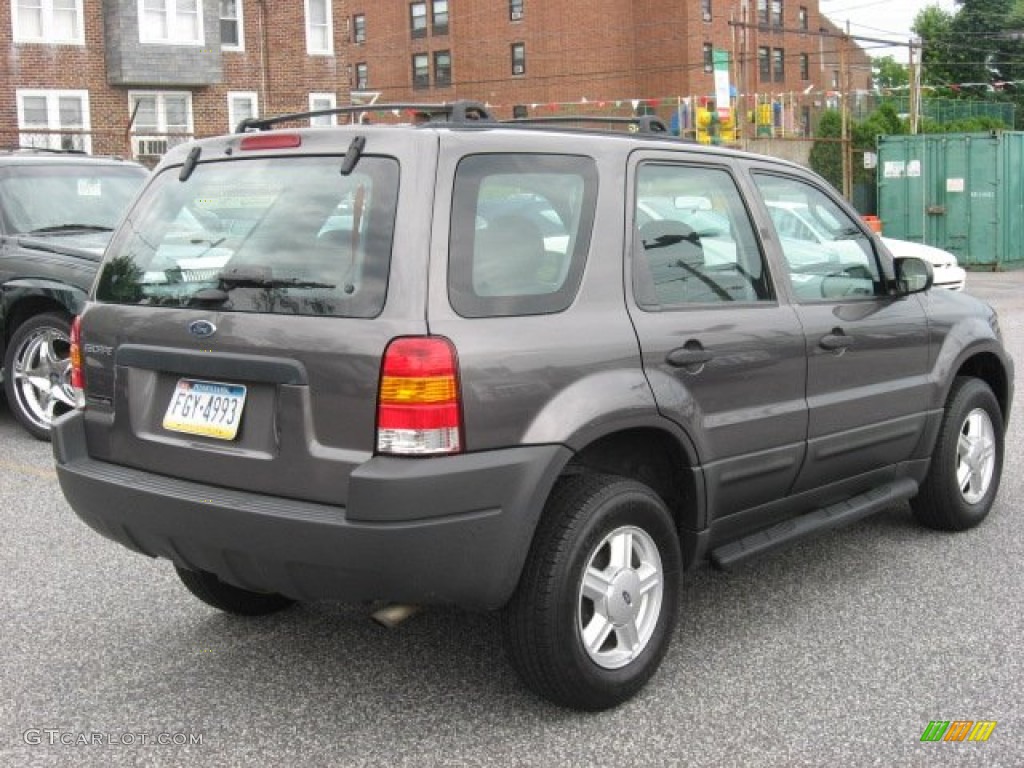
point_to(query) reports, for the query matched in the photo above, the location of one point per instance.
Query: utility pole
(844, 95)
(913, 80)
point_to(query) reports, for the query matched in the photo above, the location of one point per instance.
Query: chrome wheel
(975, 456)
(620, 597)
(41, 376)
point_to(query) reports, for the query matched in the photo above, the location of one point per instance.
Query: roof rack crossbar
(641, 123)
(454, 112)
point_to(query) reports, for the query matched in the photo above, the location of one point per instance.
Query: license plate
(205, 408)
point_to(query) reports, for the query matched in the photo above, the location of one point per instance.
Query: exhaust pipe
(390, 616)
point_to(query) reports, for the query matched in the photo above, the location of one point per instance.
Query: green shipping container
(962, 192)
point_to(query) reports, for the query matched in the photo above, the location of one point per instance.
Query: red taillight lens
(271, 141)
(418, 406)
(75, 356)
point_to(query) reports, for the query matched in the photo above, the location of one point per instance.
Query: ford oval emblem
(202, 328)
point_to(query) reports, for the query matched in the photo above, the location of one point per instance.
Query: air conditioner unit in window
(707, 16)
(516, 15)
(518, 69)
(150, 147)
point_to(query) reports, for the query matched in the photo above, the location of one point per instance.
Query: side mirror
(913, 275)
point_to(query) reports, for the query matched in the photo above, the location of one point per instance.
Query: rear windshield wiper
(57, 228)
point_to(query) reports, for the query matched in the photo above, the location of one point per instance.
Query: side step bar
(818, 521)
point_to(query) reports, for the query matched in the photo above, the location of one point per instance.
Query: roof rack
(638, 124)
(455, 112)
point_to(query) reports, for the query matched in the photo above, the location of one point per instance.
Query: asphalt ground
(836, 652)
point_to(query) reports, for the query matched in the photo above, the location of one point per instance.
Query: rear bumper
(448, 530)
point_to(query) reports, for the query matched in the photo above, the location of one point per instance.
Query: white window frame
(239, 20)
(329, 50)
(48, 35)
(28, 135)
(161, 133)
(254, 102)
(332, 102)
(171, 12)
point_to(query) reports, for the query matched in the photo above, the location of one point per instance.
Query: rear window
(520, 233)
(268, 235)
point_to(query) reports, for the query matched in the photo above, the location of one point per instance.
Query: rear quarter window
(286, 235)
(520, 233)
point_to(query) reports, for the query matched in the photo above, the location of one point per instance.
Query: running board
(818, 521)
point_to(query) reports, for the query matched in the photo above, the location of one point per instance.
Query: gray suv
(536, 369)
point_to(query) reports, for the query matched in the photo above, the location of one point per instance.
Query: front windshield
(43, 199)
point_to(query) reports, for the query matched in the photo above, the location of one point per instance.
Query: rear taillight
(75, 357)
(418, 406)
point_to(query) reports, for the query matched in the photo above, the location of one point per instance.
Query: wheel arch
(990, 368)
(663, 460)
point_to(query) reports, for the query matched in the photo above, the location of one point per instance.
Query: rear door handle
(693, 353)
(837, 341)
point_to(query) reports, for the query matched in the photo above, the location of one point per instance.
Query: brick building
(134, 76)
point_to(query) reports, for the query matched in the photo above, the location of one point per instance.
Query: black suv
(511, 366)
(57, 211)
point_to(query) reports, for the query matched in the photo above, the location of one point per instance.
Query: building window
(318, 101)
(709, 58)
(442, 68)
(779, 64)
(764, 64)
(762, 12)
(418, 19)
(518, 58)
(420, 70)
(359, 28)
(241, 105)
(440, 11)
(776, 13)
(48, 21)
(705, 10)
(162, 119)
(515, 10)
(362, 76)
(232, 37)
(319, 28)
(801, 18)
(50, 113)
(175, 22)
(835, 79)
(805, 66)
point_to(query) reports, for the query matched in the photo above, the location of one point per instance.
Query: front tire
(967, 463)
(593, 614)
(229, 598)
(37, 372)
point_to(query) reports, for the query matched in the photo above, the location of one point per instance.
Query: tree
(889, 74)
(827, 153)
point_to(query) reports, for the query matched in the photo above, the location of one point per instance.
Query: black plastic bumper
(446, 530)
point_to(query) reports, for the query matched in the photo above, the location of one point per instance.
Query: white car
(948, 273)
(796, 221)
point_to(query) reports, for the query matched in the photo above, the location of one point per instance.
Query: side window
(520, 233)
(828, 255)
(693, 242)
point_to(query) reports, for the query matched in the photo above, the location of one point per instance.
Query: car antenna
(352, 155)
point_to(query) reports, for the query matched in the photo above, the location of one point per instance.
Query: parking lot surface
(837, 652)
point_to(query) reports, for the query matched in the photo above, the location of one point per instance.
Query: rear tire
(231, 599)
(593, 614)
(967, 462)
